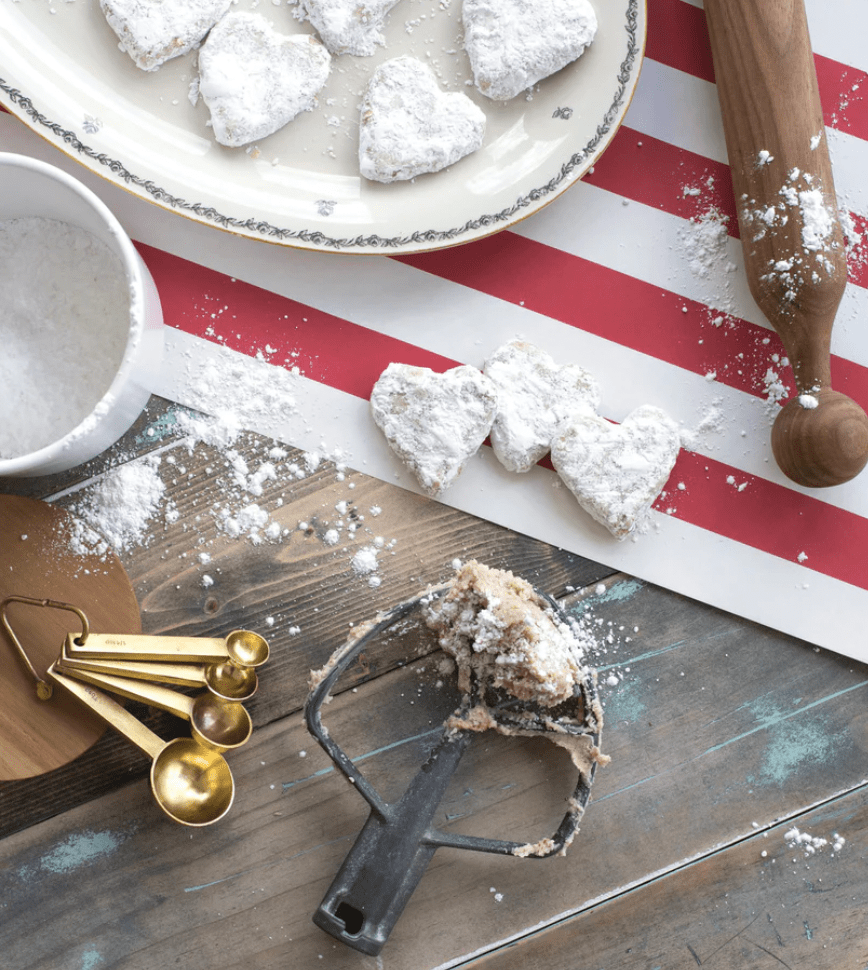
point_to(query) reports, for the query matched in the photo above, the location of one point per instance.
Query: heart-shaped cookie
(512, 44)
(255, 80)
(153, 31)
(535, 397)
(348, 26)
(434, 422)
(408, 126)
(616, 471)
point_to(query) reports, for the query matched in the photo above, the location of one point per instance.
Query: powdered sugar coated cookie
(153, 31)
(434, 422)
(347, 26)
(408, 126)
(512, 44)
(616, 471)
(255, 80)
(535, 397)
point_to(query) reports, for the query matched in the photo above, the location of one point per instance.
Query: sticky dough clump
(505, 635)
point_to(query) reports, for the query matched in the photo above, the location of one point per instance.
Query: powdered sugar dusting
(117, 512)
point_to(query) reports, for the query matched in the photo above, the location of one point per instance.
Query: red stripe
(647, 170)
(349, 358)
(247, 318)
(842, 95)
(623, 309)
(678, 38)
(769, 517)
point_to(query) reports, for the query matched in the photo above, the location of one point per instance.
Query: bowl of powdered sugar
(81, 330)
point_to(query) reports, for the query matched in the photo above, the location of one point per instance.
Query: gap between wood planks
(469, 959)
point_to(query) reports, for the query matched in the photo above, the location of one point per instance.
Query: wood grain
(760, 903)
(795, 262)
(36, 563)
(300, 593)
(718, 729)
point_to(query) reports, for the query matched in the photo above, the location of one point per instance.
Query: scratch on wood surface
(726, 943)
(777, 934)
(268, 865)
(674, 645)
(781, 717)
(774, 956)
(363, 757)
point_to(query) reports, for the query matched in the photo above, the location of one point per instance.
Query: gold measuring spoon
(191, 783)
(214, 722)
(222, 679)
(241, 648)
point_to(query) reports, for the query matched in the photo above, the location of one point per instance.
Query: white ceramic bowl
(31, 188)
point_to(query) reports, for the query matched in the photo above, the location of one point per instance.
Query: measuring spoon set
(190, 778)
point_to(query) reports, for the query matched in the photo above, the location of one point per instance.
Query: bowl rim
(133, 272)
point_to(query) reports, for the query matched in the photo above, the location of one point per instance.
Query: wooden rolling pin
(794, 250)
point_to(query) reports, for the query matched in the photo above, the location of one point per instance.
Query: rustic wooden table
(725, 737)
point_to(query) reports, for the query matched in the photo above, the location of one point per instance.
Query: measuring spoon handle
(111, 712)
(101, 646)
(136, 690)
(183, 674)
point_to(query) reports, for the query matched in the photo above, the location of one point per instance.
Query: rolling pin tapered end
(824, 443)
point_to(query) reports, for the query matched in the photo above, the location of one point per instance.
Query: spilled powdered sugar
(117, 511)
(810, 845)
(704, 243)
(244, 485)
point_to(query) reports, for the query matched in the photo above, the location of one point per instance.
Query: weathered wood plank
(717, 730)
(301, 592)
(761, 903)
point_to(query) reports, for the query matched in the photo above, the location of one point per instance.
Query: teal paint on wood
(626, 702)
(80, 850)
(618, 592)
(90, 959)
(166, 424)
(795, 745)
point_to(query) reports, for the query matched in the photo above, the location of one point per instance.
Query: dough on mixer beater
(512, 44)
(505, 635)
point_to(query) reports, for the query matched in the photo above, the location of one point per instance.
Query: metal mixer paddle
(391, 853)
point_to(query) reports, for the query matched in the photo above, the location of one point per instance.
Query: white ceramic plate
(62, 73)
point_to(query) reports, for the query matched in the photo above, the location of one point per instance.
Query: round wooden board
(36, 561)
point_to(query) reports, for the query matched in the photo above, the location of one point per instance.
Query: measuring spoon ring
(214, 722)
(222, 679)
(191, 783)
(242, 648)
